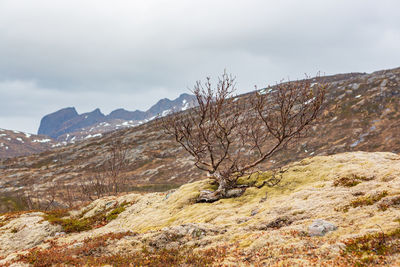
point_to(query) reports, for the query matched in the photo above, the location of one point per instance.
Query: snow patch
(186, 106)
(165, 112)
(309, 101)
(265, 91)
(41, 140)
(92, 136)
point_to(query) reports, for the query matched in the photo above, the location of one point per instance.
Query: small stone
(242, 220)
(59, 234)
(254, 212)
(109, 204)
(320, 228)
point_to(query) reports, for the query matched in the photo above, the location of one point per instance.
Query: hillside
(66, 126)
(338, 210)
(361, 113)
(16, 143)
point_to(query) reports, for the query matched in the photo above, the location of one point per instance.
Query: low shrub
(368, 200)
(115, 212)
(71, 225)
(393, 202)
(372, 249)
(363, 201)
(350, 181)
(92, 253)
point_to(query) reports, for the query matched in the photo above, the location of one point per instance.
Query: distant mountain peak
(53, 121)
(68, 121)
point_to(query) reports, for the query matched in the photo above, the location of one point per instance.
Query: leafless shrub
(38, 200)
(109, 181)
(229, 136)
(69, 195)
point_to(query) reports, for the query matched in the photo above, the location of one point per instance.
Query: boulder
(320, 228)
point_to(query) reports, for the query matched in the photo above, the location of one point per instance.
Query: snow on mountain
(66, 125)
(16, 143)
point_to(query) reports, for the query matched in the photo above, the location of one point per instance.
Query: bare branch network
(229, 136)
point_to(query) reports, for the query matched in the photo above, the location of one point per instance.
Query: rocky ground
(337, 210)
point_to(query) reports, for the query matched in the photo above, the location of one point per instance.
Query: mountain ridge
(68, 120)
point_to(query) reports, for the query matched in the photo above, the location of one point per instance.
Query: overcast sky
(129, 54)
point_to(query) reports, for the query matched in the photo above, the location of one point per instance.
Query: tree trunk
(225, 190)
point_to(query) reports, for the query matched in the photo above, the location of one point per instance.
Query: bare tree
(229, 136)
(115, 164)
(40, 200)
(69, 196)
(110, 180)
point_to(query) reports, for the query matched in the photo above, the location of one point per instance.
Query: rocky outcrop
(24, 231)
(297, 221)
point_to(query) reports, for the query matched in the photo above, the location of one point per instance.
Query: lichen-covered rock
(277, 225)
(321, 227)
(25, 231)
(172, 237)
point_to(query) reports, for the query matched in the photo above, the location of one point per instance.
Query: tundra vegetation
(263, 226)
(228, 137)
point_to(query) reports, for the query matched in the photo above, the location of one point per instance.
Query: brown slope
(362, 113)
(15, 143)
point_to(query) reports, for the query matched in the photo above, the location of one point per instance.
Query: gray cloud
(129, 54)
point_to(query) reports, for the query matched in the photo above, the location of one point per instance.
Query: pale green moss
(256, 179)
(180, 207)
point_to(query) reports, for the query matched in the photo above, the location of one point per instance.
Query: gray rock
(59, 234)
(172, 237)
(242, 220)
(320, 228)
(236, 192)
(254, 212)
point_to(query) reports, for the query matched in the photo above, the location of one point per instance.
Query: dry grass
(92, 253)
